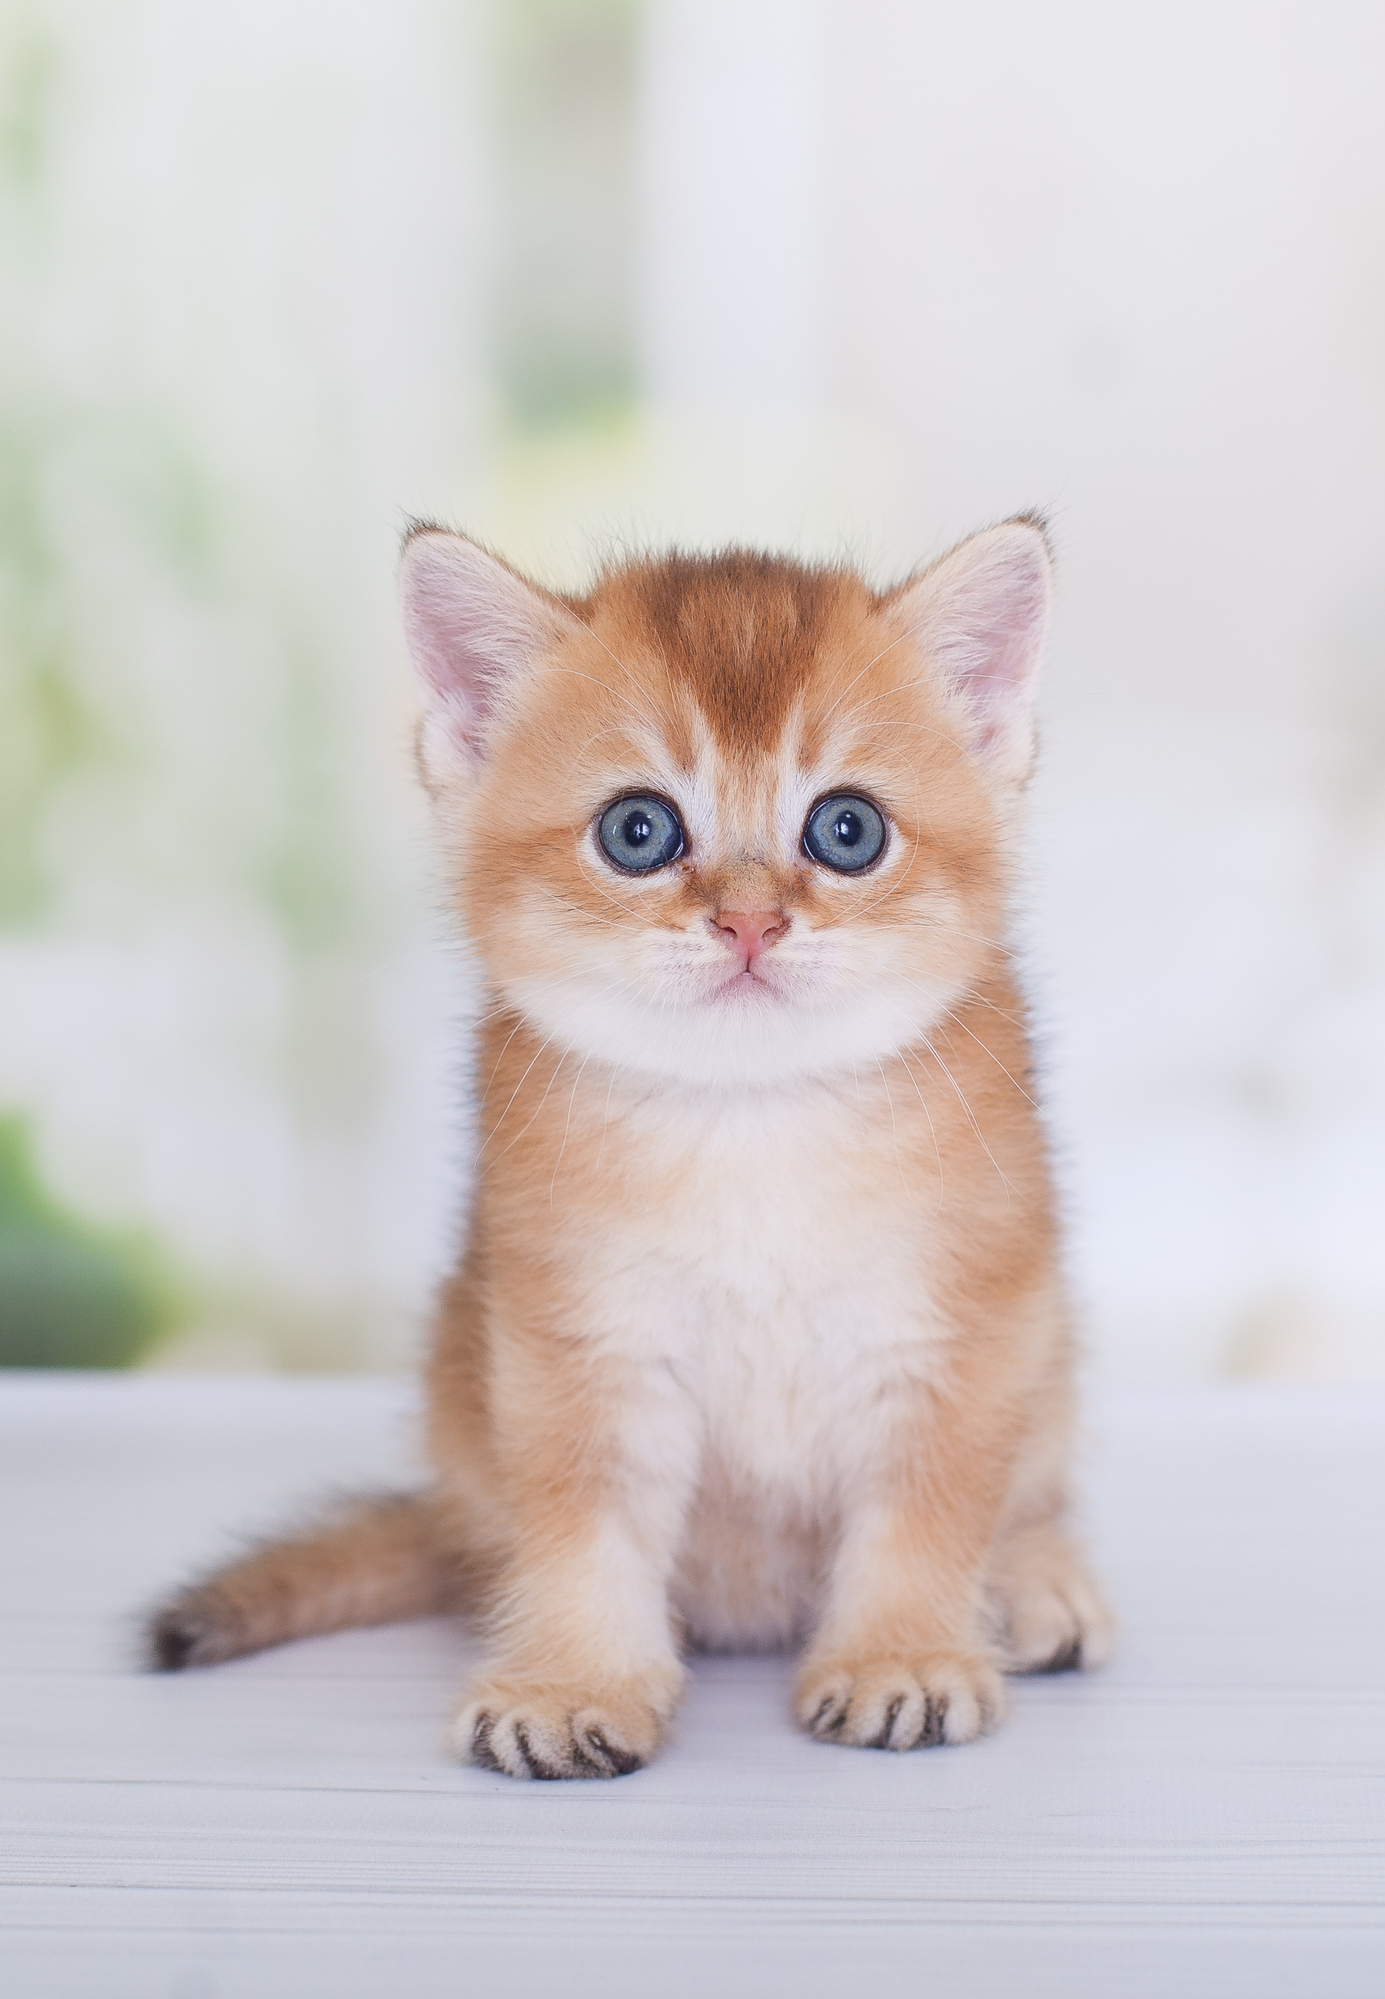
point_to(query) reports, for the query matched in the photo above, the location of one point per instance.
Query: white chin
(744, 1034)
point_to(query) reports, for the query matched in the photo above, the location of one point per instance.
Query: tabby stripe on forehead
(741, 633)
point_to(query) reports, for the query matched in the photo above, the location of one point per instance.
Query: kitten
(759, 1334)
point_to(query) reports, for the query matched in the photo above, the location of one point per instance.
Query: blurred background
(582, 274)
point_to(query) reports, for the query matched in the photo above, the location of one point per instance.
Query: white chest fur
(781, 1294)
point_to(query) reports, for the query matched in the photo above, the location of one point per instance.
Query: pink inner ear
(470, 625)
(982, 614)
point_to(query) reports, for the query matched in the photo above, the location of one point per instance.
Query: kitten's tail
(375, 1560)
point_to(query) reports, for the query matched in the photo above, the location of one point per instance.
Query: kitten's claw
(888, 1703)
(478, 1749)
(830, 1716)
(552, 1733)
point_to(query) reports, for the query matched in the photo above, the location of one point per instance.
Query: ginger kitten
(759, 1334)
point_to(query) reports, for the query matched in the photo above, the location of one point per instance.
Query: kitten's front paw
(1047, 1607)
(884, 1702)
(550, 1732)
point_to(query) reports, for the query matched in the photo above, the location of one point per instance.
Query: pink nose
(749, 931)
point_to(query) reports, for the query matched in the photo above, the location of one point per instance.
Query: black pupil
(638, 828)
(847, 829)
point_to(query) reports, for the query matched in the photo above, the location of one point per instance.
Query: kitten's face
(729, 820)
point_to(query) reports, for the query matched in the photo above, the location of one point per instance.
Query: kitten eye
(846, 833)
(639, 834)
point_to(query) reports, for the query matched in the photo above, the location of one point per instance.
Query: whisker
(606, 1118)
(505, 1005)
(957, 1089)
(611, 729)
(566, 1128)
(981, 1137)
(907, 687)
(942, 1188)
(994, 1057)
(972, 997)
(912, 633)
(538, 1106)
(646, 716)
(519, 1022)
(614, 900)
(646, 713)
(853, 914)
(516, 1090)
(590, 914)
(893, 1127)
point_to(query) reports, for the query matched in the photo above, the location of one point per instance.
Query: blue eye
(640, 834)
(845, 833)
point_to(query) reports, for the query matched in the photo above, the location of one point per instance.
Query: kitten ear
(980, 615)
(471, 625)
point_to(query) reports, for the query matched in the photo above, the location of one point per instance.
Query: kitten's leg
(1046, 1606)
(902, 1656)
(585, 1675)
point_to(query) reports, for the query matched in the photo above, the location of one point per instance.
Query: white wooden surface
(1207, 1816)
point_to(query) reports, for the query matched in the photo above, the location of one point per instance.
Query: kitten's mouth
(744, 985)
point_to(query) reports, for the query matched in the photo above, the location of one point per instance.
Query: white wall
(1128, 266)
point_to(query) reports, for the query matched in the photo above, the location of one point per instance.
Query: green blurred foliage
(70, 1295)
(46, 729)
(29, 73)
(49, 730)
(176, 731)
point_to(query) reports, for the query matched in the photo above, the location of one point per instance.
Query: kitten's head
(729, 818)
